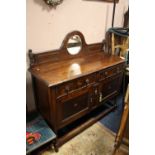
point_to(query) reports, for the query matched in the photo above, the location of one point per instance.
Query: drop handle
(96, 91)
(100, 97)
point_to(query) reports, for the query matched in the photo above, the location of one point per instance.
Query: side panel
(41, 98)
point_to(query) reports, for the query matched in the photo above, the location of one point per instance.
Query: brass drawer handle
(96, 91)
(100, 97)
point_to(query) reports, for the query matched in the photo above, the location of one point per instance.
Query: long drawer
(110, 87)
(112, 71)
(73, 85)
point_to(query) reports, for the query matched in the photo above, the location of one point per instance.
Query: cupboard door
(73, 106)
(94, 96)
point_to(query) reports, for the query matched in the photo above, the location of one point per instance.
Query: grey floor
(112, 120)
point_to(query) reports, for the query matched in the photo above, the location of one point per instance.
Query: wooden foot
(55, 146)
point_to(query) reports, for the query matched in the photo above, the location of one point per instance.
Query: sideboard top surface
(53, 73)
(58, 66)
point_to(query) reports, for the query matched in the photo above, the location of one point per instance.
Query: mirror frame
(68, 36)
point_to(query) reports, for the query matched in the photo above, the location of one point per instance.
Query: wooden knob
(75, 105)
(106, 73)
(67, 88)
(91, 99)
(87, 81)
(117, 69)
(79, 83)
(95, 91)
(109, 87)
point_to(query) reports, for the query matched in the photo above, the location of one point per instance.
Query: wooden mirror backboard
(62, 53)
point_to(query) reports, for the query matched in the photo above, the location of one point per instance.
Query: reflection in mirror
(74, 45)
(74, 69)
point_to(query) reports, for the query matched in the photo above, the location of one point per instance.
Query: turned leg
(55, 144)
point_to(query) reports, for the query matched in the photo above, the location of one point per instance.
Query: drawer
(104, 74)
(74, 85)
(110, 87)
(85, 81)
(65, 88)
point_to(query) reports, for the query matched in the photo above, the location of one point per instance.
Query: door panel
(73, 106)
(110, 88)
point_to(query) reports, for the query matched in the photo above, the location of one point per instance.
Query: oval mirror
(74, 45)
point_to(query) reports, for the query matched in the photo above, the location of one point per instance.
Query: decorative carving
(62, 53)
(31, 56)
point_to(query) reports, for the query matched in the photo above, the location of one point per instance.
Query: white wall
(47, 27)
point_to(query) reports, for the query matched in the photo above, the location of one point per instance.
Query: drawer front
(65, 88)
(110, 88)
(75, 85)
(72, 107)
(107, 73)
(85, 81)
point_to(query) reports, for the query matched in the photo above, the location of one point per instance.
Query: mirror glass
(74, 45)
